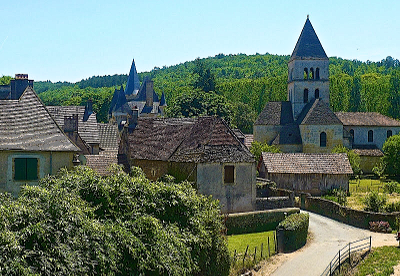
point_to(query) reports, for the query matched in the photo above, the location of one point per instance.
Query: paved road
(328, 237)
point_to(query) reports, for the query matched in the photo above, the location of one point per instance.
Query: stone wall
(311, 137)
(367, 163)
(380, 134)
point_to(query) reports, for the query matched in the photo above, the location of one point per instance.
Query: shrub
(380, 226)
(390, 187)
(295, 229)
(337, 195)
(374, 202)
(392, 207)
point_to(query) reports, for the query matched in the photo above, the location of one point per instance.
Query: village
(38, 140)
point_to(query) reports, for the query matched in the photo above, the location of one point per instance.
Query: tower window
(317, 93)
(317, 74)
(370, 136)
(389, 133)
(305, 73)
(311, 73)
(322, 140)
(305, 96)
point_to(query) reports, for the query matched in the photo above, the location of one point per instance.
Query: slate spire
(163, 101)
(133, 83)
(308, 45)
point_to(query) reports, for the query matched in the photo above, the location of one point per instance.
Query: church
(306, 124)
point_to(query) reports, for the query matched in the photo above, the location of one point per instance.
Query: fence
(249, 258)
(344, 255)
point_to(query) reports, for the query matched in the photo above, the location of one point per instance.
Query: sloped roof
(307, 163)
(100, 163)
(308, 45)
(133, 83)
(120, 103)
(26, 125)
(163, 102)
(87, 130)
(205, 139)
(249, 138)
(109, 137)
(141, 95)
(288, 135)
(317, 112)
(276, 113)
(367, 150)
(366, 119)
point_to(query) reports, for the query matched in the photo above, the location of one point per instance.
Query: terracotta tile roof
(100, 163)
(307, 163)
(87, 130)
(276, 113)
(366, 119)
(317, 112)
(109, 137)
(205, 139)
(25, 124)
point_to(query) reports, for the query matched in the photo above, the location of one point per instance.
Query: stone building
(306, 172)
(204, 151)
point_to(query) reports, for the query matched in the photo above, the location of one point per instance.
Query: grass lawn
(379, 262)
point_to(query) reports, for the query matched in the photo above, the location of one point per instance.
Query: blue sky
(73, 40)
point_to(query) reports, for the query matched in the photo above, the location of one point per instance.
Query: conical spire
(162, 101)
(113, 101)
(133, 83)
(308, 45)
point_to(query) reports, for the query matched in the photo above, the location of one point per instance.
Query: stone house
(306, 172)
(32, 145)
(204, 151)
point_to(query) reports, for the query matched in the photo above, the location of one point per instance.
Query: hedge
(259, 221)
(295, 229)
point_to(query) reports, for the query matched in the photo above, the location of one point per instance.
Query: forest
(245, 83)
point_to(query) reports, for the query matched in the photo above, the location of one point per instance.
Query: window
(311, 73)
(389, 133)
(370, 136)
(229, 174)
(305, 96)
(352, 134)
(317, 74)
(322, 139)
(305, 73)
(317, 93)
(25, 169)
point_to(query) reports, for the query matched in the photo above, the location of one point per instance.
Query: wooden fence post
(262, 250)
(349, 254)
(255, 253)
(245, 253)
(269, 250)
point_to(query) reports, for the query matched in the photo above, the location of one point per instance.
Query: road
(328, 236)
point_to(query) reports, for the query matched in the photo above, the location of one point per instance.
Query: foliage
(391, 187)
(204, 79)
(392, 207)
(5, 80)
(243, 117)
(295, 229)
(257, 148)
(380, 226)
(391, 158)
(353, 157)
(380, 261)
(374, 202)
(242, 223)
(78, 223)
(337, 195)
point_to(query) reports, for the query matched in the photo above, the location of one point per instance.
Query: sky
(76, 39)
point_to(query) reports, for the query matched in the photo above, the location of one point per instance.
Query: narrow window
(317, 74)
(389, 133)
(317, 93)
(25, 169)
(229, 172)
(305, 96)
(370, 136)
(305, 73)
(311, 73)
(291, 74)
(352, 135)
(322, 139)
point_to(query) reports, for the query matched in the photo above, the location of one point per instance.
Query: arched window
(389, 133)
(311, 73)
(305, 73)
(317, 93)
(317, 74)
(370, 136)
(352, 134)
(322, 139)
(291, 74)
(305, 96)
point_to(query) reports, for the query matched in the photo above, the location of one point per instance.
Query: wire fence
(345, 255)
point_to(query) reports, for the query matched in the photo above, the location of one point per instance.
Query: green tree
(243, 117)
(205, 80)
(353, 157)
(257, 148)
(391, 158)
(5, 80)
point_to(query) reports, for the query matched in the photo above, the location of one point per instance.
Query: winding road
(328, 237)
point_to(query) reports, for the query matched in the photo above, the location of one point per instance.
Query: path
(328, 236)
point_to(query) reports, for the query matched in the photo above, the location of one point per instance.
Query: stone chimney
(19, 84)
(88, 110)
(71, 123)
(149, 93)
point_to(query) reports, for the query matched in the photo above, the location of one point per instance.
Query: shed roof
(307, 163)
(366, 119)
(26, 125)
(367, 150)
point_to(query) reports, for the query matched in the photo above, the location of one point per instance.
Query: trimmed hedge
(260, 221)
(295, 231)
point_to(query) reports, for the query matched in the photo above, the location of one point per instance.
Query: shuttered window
(25, 169)
(229, 174)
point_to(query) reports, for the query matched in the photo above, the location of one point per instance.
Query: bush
(392, 207)
(374, 202)
(390, 187)
(380, 226)
(295, 229)
(260, 221)
(337, 195)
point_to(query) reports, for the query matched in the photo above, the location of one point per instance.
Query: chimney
(19, 84)
(149, 93)
(71, 123)
(88, 110)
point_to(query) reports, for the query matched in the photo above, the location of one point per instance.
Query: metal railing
(344, 255)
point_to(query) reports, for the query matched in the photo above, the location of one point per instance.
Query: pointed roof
(276, 113)
(163, 102)
(133, 83)
(121, 104)
(113, 101)
(308, 45)
(317, 112)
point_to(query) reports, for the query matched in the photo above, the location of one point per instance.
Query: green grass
(380, 261)
(365, 185)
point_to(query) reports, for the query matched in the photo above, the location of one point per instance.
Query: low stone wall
(268, 203)
(346, 215)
